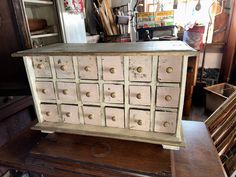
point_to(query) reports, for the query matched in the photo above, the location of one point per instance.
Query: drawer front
(88, 67)
(42, 67)
(70, 114)
(139, 120)
(115, 117)
(92, 115)
(170, 69)
(45, 91)
(67, 92)
(113, 93)
(139, 95)
(140, 68)
(168, 97)
(165, 122)
(64, 67)
(50, 113)
(113, 68)
(89, 93)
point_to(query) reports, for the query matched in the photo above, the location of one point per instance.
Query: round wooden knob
(168, 98)
(139, 69)
(113, 94)
(139, 122)
(169, 70)
(44, 91)
(166, 124)
(48, 113)
(63, 67)
(40, 66)
(68, 114)
(112, 70)
(86, 68)
(113, 118)
(90, 116)
(65, 92)
(87, 94)
(139, 96)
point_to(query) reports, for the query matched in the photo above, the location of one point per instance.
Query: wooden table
(108, 157)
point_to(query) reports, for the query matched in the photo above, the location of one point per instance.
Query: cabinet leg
(176, 148)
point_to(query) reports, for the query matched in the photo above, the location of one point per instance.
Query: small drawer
(139, 95)
(113, 68)
(50, 113)
(45, 91)
(67, 92)
(70, 114)
(115, 117)
(165, 122)
(168, 97)
(88, 67)
(169, 69)
(64, 67)
(42, 67)
(89, 93)
(140, 68)
(92, 115)
(113, 93)
(139, 120)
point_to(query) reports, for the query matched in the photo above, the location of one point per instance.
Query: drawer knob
(65, 92)
(169, 70)
(139, 122)
(113, 118)
(68, 114)
(44, 91)
(168, 98)
(87, 94)
(113, 94)
(139, 69)
(48, 113)
(139, 96)
(63, 67)
(90, 116)
(166, 124)
(86, 68)
(40, 66)
(112, 70)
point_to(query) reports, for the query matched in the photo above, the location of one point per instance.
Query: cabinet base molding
(168, 141)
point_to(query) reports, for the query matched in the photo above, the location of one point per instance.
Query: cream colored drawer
(50, 113)
(92, 115)
(45, 91)
(139, 95)
(42, 67)
(113, 93)
(89, 93)
(67, 92)
(70, 114)
(64, 67)
(139, 120)
(165, 122)
(169, 69)
(140, 68)
(88, 67)
(115, 117)
(168, 97)
(113, 68)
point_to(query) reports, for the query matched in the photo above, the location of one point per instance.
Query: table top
(100, 49)
(197, 159)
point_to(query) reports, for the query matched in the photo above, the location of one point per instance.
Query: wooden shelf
(38, 2)
(44, 35)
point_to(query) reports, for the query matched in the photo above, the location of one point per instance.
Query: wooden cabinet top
(122, 49)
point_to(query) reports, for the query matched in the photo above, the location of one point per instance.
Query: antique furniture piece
(75, 155)
(132, 91)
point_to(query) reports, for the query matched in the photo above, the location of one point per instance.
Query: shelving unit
(44, 35)
(38, 2)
